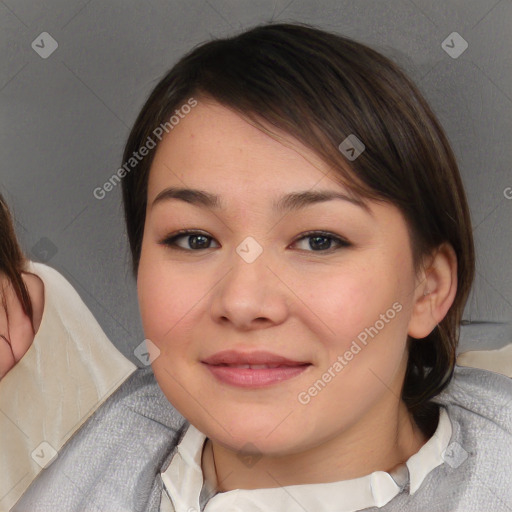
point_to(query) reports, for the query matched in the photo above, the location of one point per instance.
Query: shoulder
(474, 471)
(111, 463)
(481, 395)
(477, 467)
(51, 277)
(140, 400)
(480, 401)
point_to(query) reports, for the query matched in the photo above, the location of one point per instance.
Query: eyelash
(170, 241)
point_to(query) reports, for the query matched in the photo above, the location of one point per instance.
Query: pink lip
(225, 367)
(233, 357)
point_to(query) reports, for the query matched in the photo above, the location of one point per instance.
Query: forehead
(215, 151)
(213, 147)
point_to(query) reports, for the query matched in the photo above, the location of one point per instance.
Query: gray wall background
(64, 120)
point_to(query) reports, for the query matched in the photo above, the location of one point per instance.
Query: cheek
(364, 319)
(162, 297)
(347, 301)
(170, 298)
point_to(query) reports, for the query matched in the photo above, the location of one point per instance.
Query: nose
(251, 295)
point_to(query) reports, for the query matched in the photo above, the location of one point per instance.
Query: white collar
(183, 481)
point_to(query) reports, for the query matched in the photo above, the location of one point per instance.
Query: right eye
(188, 240)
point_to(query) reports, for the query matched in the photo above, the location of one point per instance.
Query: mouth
(254, 366)
(253, 370)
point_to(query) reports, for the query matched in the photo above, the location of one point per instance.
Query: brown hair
(320, 88)
(12, 260)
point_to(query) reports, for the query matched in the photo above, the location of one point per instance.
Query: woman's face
(282, 319)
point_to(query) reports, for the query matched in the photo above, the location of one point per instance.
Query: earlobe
(435, 292)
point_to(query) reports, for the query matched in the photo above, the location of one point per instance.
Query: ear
(435, 291)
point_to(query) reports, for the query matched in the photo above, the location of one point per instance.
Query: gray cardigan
(113, 463)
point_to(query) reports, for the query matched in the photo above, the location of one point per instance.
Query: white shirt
(183, 481)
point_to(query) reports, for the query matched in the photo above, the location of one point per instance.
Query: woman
(303, 253)
(56, 365)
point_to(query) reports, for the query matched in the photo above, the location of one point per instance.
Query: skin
(293, 300)
(15, 325)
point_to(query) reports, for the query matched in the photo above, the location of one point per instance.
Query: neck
(370, 445)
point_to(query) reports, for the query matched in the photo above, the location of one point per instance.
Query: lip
(234, 357)
(235, 368)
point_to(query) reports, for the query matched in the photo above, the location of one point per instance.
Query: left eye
(321, 242)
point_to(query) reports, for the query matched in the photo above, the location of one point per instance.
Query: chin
(253, 432)
(248, 442)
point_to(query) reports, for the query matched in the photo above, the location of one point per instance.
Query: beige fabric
(499, 361)
(68, 372)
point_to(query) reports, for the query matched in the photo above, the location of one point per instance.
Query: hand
(16, 329)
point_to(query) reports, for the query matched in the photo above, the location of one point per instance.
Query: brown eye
(188, 241)
(319, 241)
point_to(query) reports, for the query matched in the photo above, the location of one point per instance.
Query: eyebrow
(292, 201)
